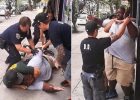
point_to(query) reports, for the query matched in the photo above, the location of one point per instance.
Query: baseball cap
(12, 77)
(91, 26)
(41, 17)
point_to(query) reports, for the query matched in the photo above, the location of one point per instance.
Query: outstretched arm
(97, 20)
(108, 26)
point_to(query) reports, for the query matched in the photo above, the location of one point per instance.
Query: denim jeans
(93, 88)
(67, 73)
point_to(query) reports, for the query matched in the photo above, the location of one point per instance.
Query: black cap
(91, 26)
(12, 77)
(41, 17)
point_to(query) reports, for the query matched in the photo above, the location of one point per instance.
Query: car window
(82, 16)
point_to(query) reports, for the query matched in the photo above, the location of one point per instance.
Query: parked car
(2, 10)
(82, 19)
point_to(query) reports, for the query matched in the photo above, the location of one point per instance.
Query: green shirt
(22, 68)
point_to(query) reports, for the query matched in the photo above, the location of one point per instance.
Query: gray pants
(67, 73)
(93, 88)
(67, 65)
(66, 58)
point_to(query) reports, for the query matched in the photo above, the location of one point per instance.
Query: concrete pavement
(18, 94)
(77, 90)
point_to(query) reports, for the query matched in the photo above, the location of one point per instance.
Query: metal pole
(137, 86)
(60, 10)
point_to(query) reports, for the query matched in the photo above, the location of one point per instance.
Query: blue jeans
(93, 88)
(67, 73)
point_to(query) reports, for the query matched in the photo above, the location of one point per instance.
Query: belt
(88, 74)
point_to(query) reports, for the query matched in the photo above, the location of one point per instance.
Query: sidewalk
(77, 90)
(18, 94)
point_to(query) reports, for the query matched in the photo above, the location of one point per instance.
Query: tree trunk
(30, 5)
(111, 8)
(97, 8)
(16, 10)
(117, 4)
(74, 15)
(34, 4)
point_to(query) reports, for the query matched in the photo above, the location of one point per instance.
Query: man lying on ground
(32, 76)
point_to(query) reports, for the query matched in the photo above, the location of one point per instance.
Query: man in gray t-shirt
(119, 58)
(32, 76)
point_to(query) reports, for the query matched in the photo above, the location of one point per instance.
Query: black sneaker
(7, 61)
(111, 94)
(126, 98)
(129, 97)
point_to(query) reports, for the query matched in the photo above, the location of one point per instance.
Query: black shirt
(92, 50)
(22, 68)
(14, 35)
(60, 33)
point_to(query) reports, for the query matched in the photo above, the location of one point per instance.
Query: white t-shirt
(45, 69)
(123, 48)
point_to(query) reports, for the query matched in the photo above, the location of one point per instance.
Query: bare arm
(47, 44)
(20, 86)
(97, 20)
(108, 26)
(121, 30)
(42, 37)
(31, 43)
(133, 31)
(22, 49)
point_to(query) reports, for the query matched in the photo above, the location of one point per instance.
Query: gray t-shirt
(45, 69)
(123, 48)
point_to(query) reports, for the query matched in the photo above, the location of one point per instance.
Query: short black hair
(90, 27)
(25, 21)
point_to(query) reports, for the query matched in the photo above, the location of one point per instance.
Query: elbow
(106, 30)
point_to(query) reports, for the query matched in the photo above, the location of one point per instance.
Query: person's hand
(50, 88)
(36, 72)
(127, 20)
(57, 65)
(23, 87)
(119, 21)
(90, 17)
(34, 51)
(43, 46)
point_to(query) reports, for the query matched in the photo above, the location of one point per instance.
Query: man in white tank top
(119, 58)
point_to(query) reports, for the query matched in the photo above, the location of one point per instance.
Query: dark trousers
(14, 55)
(93, 88)
(66, 58)
(67, 73)
(66, 63)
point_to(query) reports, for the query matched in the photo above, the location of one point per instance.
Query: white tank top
(123, 48)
